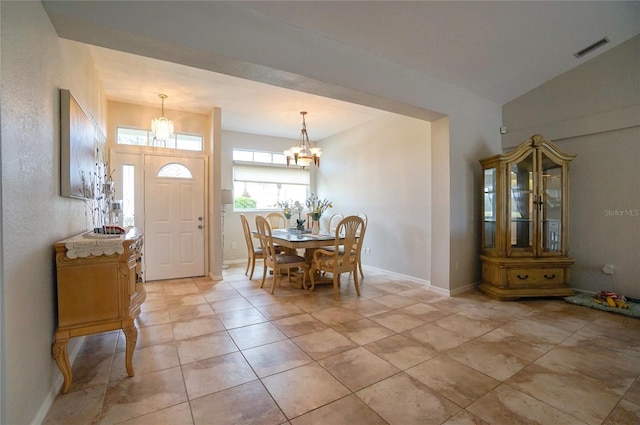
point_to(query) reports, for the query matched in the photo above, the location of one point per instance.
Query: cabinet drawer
(528, 276)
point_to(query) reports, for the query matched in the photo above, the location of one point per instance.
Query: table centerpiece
(317, 207)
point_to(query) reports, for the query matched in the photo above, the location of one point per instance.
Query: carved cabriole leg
(59, 351)
(131, 333)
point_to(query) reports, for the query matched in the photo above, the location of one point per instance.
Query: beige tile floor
(228, 352)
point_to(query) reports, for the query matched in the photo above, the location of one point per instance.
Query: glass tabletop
(295, 236)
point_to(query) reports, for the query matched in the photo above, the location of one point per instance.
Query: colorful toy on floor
(611, 299)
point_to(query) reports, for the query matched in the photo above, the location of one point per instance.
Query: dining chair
(336, 260)
(361, 233)
(365, 219)
(253, 253)
(277, 262)
(333, 222)
(277, 220)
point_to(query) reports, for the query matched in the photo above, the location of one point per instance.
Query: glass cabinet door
(489, 216)
(521, 214)
(550, 205)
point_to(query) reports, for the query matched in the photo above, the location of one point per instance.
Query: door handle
(200, 226)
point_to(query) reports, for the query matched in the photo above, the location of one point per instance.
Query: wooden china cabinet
(524, 222)
(99, 289)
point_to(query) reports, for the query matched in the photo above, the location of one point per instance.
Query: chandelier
(302, 153)
(162, 128)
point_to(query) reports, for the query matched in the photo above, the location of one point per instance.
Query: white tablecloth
(94, 244)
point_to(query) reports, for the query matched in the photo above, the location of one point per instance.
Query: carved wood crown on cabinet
(98, 293)
(525, 222)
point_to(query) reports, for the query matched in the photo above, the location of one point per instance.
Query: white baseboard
(215, 277)
(236, 261)
(406, 277)
(440, 291)
(466, 288)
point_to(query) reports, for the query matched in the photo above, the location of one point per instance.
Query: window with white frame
(262, 179)
(139, 137)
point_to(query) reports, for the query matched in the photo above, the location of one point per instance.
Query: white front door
(174, 217)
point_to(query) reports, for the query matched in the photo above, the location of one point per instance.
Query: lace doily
(94, 244)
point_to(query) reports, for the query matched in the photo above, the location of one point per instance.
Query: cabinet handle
(525, 277)
(549, 277)
(537, 200)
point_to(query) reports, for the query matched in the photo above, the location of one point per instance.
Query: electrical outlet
(234, 245)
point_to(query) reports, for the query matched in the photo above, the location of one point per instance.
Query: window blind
(269, 174)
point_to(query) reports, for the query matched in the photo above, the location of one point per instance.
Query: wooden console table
(99, 287)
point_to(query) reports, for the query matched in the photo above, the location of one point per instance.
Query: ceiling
(247, 106)
(497, 50)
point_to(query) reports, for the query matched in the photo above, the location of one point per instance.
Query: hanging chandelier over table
(162, 128)
(302, 153)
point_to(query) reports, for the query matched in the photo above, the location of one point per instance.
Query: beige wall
(138, 116)
(35, 64)
(593, 111)
(383, 168)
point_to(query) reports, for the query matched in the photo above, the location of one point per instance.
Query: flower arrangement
(287, 209)
(298, 208)
(317, 206)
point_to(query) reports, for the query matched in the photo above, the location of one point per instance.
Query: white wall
(383, 168)
(35, 64)
(604, 212)
(593, 111)
(138, 116)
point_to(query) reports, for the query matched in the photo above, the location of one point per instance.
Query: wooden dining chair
(253, 252)
(277, 220)
(336, 260)
(333, 222)
(365, 219)
(335, 218)
(277, 262)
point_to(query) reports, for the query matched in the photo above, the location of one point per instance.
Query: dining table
(295, 239)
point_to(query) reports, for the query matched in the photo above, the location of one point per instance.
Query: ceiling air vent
(591, 48)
